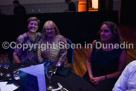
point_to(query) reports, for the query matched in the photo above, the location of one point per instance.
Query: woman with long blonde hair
(51, 41)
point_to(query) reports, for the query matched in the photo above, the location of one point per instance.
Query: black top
(19, 10)
(72, 7)
(104, 62)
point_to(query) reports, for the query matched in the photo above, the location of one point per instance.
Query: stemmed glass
(6, 67)
(1, 71)
(16, 74)
(49, 74)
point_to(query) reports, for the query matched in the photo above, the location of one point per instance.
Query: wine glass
(7, 73)
(16, 74)
(49, 74)
(1, 71)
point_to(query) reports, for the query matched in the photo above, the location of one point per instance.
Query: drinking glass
(49, 75)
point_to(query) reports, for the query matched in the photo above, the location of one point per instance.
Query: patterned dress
(28, 52)
(53, 51)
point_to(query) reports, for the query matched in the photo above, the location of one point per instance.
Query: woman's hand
(58, 64)
(96, 80)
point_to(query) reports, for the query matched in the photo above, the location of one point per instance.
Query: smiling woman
(105, 64)
(25, 55)
(51, 36)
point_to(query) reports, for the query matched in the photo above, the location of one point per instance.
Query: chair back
(70, 53)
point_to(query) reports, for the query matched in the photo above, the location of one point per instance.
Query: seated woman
(106, 61)
(28, 55)
(52, 45)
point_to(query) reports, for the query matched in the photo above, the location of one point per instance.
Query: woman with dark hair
(106, 61)
(52, 45)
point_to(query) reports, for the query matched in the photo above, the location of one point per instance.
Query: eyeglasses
(49, 29)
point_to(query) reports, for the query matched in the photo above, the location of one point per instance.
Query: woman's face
(50, 31)
(105, 34)
(33, 26)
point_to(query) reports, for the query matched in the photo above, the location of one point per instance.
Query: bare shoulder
(93, 43)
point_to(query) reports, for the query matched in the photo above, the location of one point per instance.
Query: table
(72, 82)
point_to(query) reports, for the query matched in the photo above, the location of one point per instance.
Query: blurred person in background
(71, 6)
(18, 8)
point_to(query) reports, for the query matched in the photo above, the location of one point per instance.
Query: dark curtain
(127, 12)
(105, 5)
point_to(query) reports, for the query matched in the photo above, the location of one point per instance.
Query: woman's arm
(88, 62)
(18, 51)
(40, 59)
(16, 58)
(63, 53)
(122, 64)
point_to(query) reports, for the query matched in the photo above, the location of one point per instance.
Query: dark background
(127, 12)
